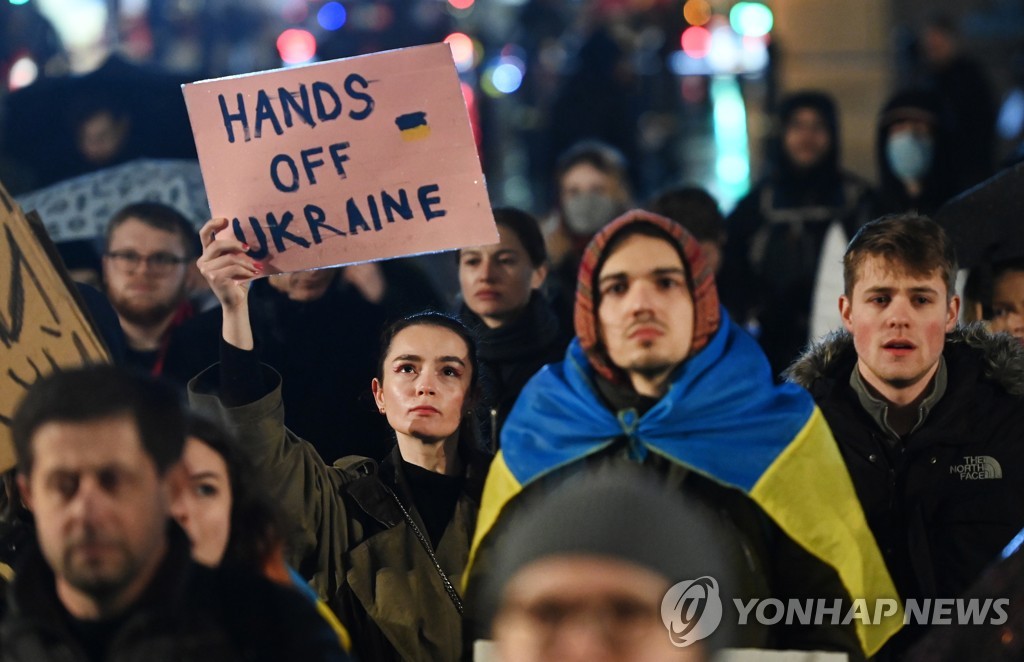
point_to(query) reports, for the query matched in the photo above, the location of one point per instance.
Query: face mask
(587, 213)
(910, 156)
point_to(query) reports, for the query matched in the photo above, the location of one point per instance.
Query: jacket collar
(378, 504)
(829, 359)
(33, 594)
(878, 408)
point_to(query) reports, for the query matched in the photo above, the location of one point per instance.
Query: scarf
(528, 334)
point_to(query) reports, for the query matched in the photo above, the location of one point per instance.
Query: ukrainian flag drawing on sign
(413, 126)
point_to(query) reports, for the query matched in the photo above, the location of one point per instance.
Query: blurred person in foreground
(581, 577)
(1001, 639)
(112, 578)
(660, 378)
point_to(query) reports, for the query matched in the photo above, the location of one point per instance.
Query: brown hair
(159, 217)
(910, 242)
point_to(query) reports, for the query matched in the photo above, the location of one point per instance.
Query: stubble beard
(101, 585)
(146, 314)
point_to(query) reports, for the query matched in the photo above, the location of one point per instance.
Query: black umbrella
(38, 120)
(986, 223)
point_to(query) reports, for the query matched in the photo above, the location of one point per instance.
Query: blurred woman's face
(497, 280)
(426, 379)
(204, 508)
(1008, 304)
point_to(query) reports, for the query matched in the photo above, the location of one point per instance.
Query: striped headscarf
(699, 276)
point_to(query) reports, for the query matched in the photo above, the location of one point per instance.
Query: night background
(683, 89)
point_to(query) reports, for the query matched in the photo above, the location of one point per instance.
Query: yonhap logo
(977, 467)
(691, 610)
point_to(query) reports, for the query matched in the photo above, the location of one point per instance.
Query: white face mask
(587, 213)
(909, 155)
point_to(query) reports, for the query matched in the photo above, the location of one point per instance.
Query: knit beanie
(615, 512)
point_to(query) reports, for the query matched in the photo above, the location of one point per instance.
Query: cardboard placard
(42, 326)
(345, 161)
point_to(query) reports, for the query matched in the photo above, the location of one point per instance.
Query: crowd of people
(790, 403)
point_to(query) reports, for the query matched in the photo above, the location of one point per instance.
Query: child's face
(1008, 304)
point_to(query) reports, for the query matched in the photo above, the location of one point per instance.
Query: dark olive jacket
(349, 536)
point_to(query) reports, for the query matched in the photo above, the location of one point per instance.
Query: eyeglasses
(159, 263)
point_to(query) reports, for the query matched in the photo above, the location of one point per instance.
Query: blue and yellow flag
(723, 417)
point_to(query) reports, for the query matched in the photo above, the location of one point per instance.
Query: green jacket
(349, 536)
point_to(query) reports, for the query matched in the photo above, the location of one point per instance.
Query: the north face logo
(977, 467)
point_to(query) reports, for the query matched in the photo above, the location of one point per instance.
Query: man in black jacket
(928, 416)
(112, 579)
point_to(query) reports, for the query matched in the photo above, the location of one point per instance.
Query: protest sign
(42, 326)
(344, 161)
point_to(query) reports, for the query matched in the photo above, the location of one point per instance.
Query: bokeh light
(461, 4)
(696, 42)
(23, 73)
(724, 52)
(463, 50)
(751, 19)
(80, 24)
(296, 46)
(507, 77)
(332, 16)
(697, 12)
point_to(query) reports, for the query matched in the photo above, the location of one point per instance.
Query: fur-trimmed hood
(1003, 355)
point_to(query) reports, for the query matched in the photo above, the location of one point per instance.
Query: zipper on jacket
(494, 430)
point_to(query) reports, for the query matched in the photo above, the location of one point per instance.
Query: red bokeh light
(296, 46)
(696, 41)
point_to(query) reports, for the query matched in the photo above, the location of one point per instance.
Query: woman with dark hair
(516, 327)
(228, 521)
(385, 545)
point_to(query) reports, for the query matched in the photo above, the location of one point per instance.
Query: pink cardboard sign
(345, 161)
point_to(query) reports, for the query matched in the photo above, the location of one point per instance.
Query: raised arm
(247, 394)
(229, 271)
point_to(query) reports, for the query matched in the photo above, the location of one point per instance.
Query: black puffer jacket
(946, 499)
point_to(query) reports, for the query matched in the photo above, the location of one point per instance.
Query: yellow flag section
(42, 326)
(832, 528)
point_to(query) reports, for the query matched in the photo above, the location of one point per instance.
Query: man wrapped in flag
(660, 376)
